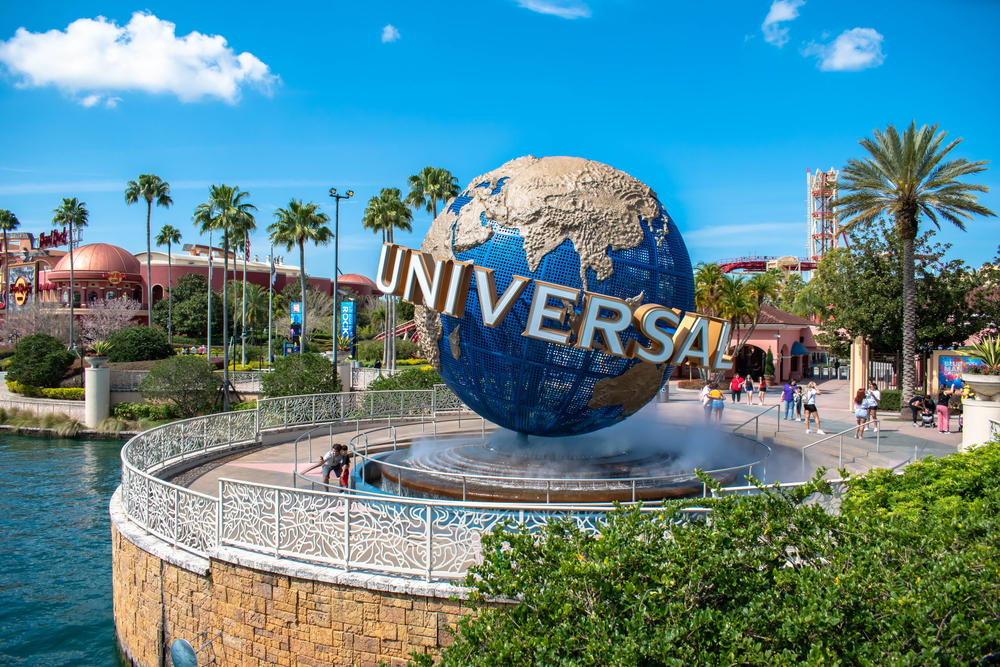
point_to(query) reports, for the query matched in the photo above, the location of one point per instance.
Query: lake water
(55, 551)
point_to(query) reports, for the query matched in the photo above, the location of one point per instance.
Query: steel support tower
(821, 192)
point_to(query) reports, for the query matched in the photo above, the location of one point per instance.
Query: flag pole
(208, 349)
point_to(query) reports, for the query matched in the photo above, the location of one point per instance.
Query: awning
(798, 349)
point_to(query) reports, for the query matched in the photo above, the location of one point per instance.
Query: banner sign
(53, 239)
(347, 320)
(297, 312)
(22, 285)
(950, 369)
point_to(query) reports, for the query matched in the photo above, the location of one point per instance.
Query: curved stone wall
(270, 611)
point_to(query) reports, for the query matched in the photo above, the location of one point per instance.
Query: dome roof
(356, 279)
(100, 258)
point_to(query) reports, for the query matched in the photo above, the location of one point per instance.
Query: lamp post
(336, 264)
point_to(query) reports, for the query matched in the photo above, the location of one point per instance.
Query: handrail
(756, 433)
(840, 460)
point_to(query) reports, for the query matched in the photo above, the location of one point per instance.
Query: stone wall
(306, 616)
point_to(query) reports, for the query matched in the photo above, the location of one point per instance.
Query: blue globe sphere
(541, 388)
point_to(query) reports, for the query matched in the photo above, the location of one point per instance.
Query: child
(345, 473)
(798, 403)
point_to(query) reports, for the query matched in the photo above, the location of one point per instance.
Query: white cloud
(853, 50)
(389, 33)
(97, 56)
(781, 11)
(567, 9)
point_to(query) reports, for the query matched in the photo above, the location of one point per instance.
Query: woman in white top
(874, 396)
(810, 406)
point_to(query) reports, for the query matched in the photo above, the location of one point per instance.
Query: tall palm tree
(387, 213)
(295, 225)
(430, 186)
(8, 223)
(226, 211)
(903, 177)
(707, 282)
(256, 302)
(168, 236)
(150, 188)
(71, 212)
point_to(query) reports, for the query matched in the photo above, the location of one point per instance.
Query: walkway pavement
(899, 442)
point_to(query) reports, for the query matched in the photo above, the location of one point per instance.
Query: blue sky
(719, 106)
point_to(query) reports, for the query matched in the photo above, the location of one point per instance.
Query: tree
(298, 374)
(71, 212)
(256, 306)
(293, 226)
(140, 343)
(226, 211)
(168, 236)
(190, 309)
(188, 383)
(105, 318)
(40, 360)
(707, 280)
(734, 299)
(430, 186)
(8, 223)
(859, 292)
(387, 213)
(904, 177)
(34, 318)
(150, 188)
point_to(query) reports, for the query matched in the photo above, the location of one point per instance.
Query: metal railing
(994, 430)
(126, 380)
(756, 422)
(392, 534)
(362, 378)
(840, 459)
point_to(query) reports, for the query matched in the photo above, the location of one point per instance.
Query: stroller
(927, 420)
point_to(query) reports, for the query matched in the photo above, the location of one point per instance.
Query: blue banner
(347, 321)
(296, 312)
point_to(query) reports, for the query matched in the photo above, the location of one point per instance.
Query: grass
(62, 424)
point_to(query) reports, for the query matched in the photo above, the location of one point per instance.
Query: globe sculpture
(576, 223)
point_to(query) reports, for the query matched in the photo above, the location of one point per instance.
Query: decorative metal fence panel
(362, 378)
(126, 380)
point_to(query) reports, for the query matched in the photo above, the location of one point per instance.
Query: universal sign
(442, 285)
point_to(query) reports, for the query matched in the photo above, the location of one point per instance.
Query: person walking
(944, 394)
(737, 387)
(749, 389)
(860, 412)
(873, 397)
(810, 407)
(836, 369)
(788, 398)
(761, 389)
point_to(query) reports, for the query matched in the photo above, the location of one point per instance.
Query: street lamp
(336, 264)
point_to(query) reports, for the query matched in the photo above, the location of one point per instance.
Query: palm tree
(294, 226)
(168, 236)
(71, 212)
(8, 223)
(430, 186)
(150, 188)
(707, 282)
(387, 213)
(256, 302)
(903, 177)
(227, 211)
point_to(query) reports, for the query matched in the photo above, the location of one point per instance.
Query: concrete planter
(987, 387)
(96, 362)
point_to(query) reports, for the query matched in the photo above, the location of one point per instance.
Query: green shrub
(23, 389)
(64, 394)
(245, 405)
(188, 384)
(137, 411)
(890, 400)
(906, 574)
(140, 343)
(299, 374)
(370, 350)
(40, 360)
(5, 364)
(413, 378)
(769, 363)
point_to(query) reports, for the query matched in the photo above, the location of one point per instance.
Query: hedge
(137, 411)
(57, 393)
(890, 400)
(140, 343)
